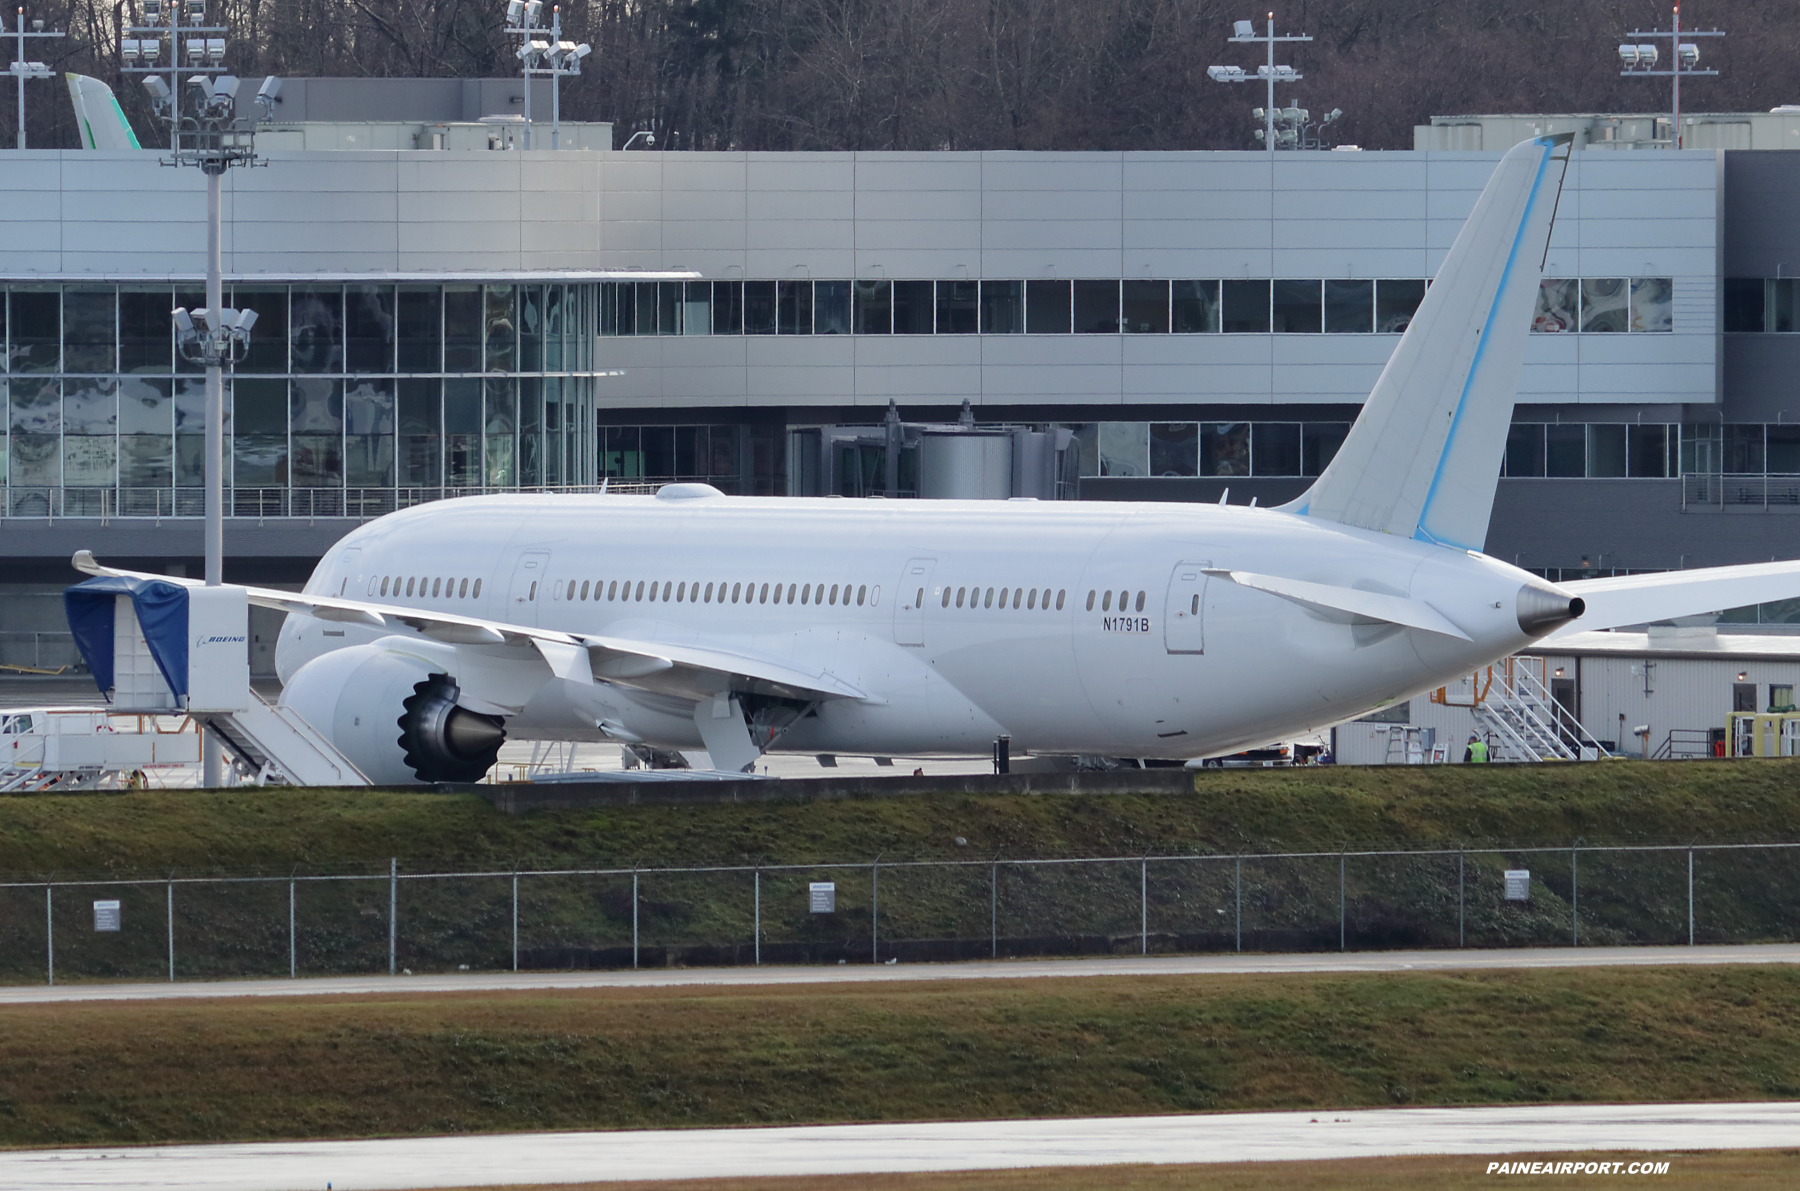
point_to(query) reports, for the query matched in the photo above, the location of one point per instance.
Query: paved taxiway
(1171, 965)
(853, 1149)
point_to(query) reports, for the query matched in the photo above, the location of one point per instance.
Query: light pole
(1244, 33)
(522, 21)
(21, 69)
(143, 49)
(209, 135)
(1684, 60)
(565, 62)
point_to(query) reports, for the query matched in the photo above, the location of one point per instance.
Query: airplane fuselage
(1070, 627)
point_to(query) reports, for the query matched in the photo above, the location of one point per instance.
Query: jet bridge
(158, 647)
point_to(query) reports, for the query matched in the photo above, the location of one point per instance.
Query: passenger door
(1184, 611)
(909, 608)
(350, 572)
(530, 574)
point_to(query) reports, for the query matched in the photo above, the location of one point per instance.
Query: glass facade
(353, 400)
(1096, 307)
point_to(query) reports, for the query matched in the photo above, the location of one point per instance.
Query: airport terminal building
(435, 322)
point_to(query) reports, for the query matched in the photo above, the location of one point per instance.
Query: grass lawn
(399, 1064)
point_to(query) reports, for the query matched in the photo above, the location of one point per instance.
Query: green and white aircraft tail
(97, 113)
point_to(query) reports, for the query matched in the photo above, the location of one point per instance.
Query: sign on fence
(822, 897)
(1518, 884)
(106, 915)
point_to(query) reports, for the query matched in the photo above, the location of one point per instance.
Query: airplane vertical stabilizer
(97, 113)
(1423, 458)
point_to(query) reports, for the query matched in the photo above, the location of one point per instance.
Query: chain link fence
(886, 911)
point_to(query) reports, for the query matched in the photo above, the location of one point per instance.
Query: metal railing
(1518, 706)
(105, 504)
(38, 651)
(1687, 744)
(886, 911)
(1712, 491)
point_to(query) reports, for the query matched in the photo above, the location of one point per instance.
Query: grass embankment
(1230, 811)
(1752, 1170)
(234, 930)
(394, 1064)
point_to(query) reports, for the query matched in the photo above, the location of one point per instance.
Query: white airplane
(692, 620)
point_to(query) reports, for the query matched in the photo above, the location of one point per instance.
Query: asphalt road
(1184, 965)
(501, 1160)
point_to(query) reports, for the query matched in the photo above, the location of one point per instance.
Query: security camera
(225, 87)
(158, 89)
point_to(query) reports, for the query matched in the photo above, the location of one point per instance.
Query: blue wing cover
(162, 612)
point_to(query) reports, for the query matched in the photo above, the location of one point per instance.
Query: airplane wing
(578, 657)
(1371, 605)
(1640, 599)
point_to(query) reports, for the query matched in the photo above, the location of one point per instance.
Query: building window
(1244, 307)
(1194, 307)
(1144, 307)
(1607, 305)
(1002, 307)
(1295, 308)
(1096, 307)
(874, 307)
(957, 307)
(1349, 307)
(1048, 308)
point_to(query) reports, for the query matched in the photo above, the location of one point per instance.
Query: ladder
(1411, 746)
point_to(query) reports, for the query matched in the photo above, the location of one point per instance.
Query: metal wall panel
(952, 215)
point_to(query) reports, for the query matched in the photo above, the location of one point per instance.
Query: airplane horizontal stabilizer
(1423, 457)
(1370, 605)
(1642, 599)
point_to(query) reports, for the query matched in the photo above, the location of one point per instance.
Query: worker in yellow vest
(1476, 753)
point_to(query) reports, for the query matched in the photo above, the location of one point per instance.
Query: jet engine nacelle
(395, 716)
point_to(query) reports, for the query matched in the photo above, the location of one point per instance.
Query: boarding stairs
(1522, 719)
(198, 635)
(279, 748)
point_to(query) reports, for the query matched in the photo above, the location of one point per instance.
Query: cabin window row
(429, 587)
(1029, 599)
(1124, 598)
(670, 591)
